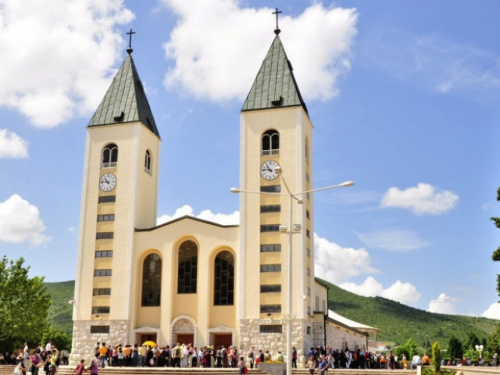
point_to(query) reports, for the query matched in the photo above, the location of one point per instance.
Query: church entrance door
(148, 337)
(185, 338)
(223, 339)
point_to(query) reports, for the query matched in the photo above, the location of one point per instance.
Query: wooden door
(148, 337)
(223, 339)
(185, 339)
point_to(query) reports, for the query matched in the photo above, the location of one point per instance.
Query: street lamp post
(479, 348)
(290, 230)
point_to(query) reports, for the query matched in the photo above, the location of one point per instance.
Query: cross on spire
(277, 30)
(129, 49)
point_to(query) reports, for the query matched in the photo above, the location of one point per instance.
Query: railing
(109, 165)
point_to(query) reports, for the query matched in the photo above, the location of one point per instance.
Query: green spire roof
(125, 100)
(275, 84)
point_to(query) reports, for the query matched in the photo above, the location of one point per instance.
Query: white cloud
(337, 264)
(71, 229)
(422, 199)
(443, 305)
(12, 145)
(20, 222)
(57, 55)
(186, 210)
(393, 240)
(436, 63)
(221, 62)
(402, 292)
(492, 312)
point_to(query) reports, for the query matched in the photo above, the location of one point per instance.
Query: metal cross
(130, 38)
(277, 12)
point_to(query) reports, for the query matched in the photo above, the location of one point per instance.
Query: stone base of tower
(251, 335)
(84, 341)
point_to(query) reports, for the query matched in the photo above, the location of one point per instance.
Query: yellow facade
(134, 279)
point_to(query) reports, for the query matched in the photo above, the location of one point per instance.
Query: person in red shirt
(79, 369)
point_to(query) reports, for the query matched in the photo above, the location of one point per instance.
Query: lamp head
(347, 183)
(235, 190)
(278, 170)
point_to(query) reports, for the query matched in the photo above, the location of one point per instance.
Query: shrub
(436, 357)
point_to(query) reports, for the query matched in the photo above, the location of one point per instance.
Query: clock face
(107, 182)
(268, 170)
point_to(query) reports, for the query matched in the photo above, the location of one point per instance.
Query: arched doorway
(184, 330)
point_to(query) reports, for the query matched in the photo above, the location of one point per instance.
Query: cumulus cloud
(402, 292)
(186, 210)
(493, 312)
(422, 199)
(12, 145)
(218, 47)
(57, 56)
(443, 305)
(20, 222)
(393, 240)
(337, 264)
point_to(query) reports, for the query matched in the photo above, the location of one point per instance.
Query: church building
(191, 280)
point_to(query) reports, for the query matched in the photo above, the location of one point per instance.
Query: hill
(60, 313)
(399, 322)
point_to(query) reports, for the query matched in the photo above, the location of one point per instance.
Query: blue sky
(403, 95)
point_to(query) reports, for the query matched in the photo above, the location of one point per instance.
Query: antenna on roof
(129, 49)
(277, 30)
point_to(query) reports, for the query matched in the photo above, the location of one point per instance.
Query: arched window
(147, 162)
(224, 279)
(271, 142)
(110, 156)
(151, 280)
(188, 268)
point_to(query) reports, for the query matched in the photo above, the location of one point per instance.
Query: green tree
(455, 347)
(496, 254)
(471, 341)
(494, 340)
(411, 347)
(58, 337)
(437, 356)
(24, 305)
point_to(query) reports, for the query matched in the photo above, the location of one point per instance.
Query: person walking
(294, 358)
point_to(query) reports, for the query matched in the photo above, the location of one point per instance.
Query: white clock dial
(107, 182)
(268, 170)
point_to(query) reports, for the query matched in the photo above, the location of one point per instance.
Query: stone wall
(319, 334)
(338, 337)
(84, 341)
(250, 336)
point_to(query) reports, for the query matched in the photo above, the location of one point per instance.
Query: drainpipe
(325, 313)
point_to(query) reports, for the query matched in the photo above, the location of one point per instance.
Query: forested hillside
(399, 322)
(60, 313)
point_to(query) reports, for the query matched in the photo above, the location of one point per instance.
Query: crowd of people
(180, 355)
(42, 359)
(322, 358)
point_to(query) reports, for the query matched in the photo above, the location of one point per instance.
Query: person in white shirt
(416, 361)
(48, 347)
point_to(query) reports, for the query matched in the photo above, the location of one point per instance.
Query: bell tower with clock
(275, 130)
(119, 195)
